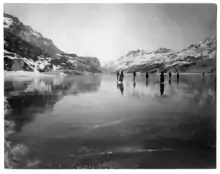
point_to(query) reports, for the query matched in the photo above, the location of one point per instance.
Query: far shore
(181, 73)
(25, 75)
(29, 75)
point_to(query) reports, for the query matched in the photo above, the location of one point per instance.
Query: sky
(109, 31)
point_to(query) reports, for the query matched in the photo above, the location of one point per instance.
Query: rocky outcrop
(26, 49)
(193, 58)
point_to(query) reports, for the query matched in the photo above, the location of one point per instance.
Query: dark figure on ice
(147, 75)
(203, 73)
(161, 88)
(134, 75)
(170, 75)
(161, 77)
(178, 76)
(121, 77)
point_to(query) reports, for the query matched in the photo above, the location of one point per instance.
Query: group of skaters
(120, 76)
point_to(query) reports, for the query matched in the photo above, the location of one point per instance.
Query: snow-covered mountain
(26, 49)
(195, 58)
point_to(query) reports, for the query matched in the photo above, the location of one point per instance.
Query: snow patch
(7, 22)
(56, 67)
(46, 43)
(35, 34)
(72, 61)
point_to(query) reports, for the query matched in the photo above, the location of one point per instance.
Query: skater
(121, 77)
(147, 75)
(161, 77)
(178, 76)
(134, 75)
(170, 75)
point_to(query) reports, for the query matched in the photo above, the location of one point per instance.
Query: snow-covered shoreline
(26, 75)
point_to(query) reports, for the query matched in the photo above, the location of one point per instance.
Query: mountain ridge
(27, 49)
(167, 59)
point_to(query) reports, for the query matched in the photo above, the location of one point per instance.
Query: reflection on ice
(187, 88)
(89, 119)
(39, 95)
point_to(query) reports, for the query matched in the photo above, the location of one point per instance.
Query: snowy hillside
(168, 60)
(26, 49)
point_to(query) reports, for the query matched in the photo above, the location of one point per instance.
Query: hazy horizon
(108, 31)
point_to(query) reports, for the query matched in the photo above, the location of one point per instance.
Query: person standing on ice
(134, 75)
(147, 75)
(121, 77)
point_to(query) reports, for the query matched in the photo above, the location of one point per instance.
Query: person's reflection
(161, 88)
(121, 88)
(170, 75)
(170, 81)
(134, 84)
(177, 80)
(146, 82)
